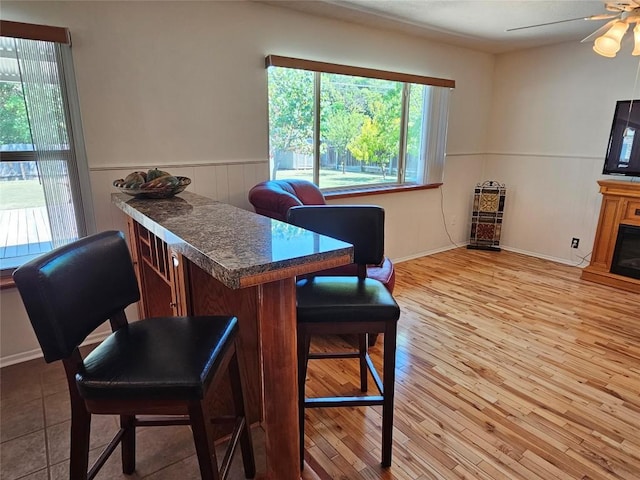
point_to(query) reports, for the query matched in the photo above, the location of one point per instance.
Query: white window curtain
(46, 73)
(434, 140)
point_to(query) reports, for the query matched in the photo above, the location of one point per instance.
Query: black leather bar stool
(161, 366)
(348, 305)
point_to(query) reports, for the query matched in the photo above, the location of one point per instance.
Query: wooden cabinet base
(620, 206)
(611, 279)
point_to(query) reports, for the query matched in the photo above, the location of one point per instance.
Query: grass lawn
(335, 178)
(21, 194)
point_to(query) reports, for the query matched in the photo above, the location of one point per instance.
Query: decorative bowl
(160, 192)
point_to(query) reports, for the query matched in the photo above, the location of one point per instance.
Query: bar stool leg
(127, 422)
(303, 345)
(389, 373)
(205, 451)
(246, 445)
(363, 348)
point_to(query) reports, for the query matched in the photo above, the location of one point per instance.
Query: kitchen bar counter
(237, 247)
(197, 256)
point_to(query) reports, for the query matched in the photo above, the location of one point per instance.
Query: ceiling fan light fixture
(605, 46)
(603, 53)
(608, 44)
(636, 40)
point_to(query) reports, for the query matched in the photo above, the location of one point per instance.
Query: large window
(352, 128)
(44, 188)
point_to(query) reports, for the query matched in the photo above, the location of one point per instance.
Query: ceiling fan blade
(600, 30)
(603, 16)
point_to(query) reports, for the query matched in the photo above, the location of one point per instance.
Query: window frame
(319, 68)
(85, 219)
(323, 67)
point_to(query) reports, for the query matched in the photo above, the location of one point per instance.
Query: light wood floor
(509, 367)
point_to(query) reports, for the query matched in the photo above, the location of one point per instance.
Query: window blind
(43, 86)
(38, 57)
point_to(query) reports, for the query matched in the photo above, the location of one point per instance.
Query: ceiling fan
(623, 13)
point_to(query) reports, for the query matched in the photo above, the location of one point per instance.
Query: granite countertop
(235, 246)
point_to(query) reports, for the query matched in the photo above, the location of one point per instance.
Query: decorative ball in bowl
(152, 184)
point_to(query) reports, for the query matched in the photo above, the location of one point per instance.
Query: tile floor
(34, 433)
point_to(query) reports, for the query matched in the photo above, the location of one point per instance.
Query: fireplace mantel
(620, 205)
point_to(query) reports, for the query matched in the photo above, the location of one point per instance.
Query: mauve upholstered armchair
(274, 198)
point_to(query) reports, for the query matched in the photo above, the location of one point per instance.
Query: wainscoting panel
(225, 182)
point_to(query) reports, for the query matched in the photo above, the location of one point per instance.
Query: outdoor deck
(24, 234)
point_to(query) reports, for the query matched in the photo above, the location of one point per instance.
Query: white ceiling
(478, 24)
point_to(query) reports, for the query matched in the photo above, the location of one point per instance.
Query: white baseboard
(37, 353)
(564, 261)
(428, 252)
(510, 249)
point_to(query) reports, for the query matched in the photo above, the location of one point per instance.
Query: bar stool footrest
(363, 401)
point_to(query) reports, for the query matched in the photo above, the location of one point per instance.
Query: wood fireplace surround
(620, 206)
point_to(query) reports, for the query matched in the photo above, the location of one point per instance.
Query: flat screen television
(623, 152)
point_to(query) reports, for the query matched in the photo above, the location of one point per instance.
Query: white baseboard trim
(33, 354)
(510, 249)
(564, 261)
(428, 252)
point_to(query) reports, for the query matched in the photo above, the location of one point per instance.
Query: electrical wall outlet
(575, 242)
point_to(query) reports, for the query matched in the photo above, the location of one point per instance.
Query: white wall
(549, 130)
(182, 86)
